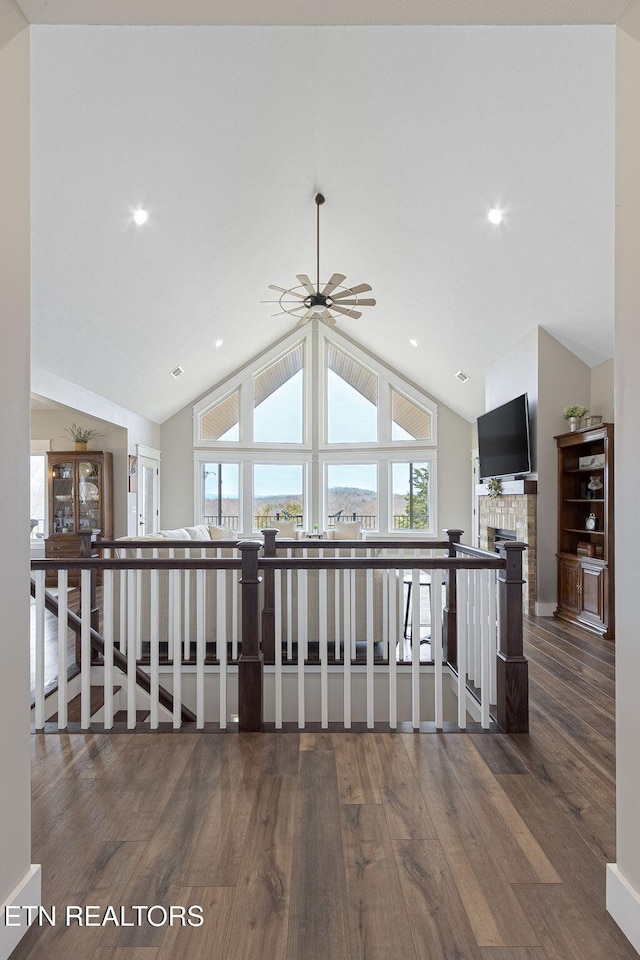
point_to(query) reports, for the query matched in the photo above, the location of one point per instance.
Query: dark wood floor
(345, 846)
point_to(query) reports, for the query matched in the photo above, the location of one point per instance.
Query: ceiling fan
(334, 300)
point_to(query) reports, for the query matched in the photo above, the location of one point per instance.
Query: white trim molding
(623, 903)
(28, 893)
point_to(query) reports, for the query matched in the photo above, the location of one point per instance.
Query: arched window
(314, 430)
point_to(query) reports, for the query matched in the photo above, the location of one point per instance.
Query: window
(314, 426)
(352, 494)
(222, 421)
(278, 400)
(408, 420)
(38, 494)
(352, 399)
(411, 496)
(221, 494)
(278, 494)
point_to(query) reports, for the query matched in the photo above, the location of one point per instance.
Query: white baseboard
(545, 609)
(623, 903)
(26, 894)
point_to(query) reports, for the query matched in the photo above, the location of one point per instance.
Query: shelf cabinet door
(569, 577)
(593, 582)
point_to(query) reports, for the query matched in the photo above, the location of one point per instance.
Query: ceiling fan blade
(348, 313)
(272, 286)
(328, 319)
(306, 316)
(358, 303)
(334, 282)
(306, 283)
(361, 288)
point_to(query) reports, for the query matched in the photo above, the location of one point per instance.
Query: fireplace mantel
(512, 488)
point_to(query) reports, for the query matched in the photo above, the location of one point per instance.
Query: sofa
(177, 591)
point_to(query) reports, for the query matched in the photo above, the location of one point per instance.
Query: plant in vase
(81, 435)
(494, 488)
(573, 414)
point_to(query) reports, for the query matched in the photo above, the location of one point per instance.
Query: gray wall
(15, 792)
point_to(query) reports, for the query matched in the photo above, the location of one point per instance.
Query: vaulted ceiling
(225, 134)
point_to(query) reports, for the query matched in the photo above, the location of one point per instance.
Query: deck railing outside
(239, 629)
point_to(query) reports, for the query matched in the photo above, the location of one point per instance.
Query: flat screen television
(503, 440)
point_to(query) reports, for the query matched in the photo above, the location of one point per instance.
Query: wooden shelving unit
(586, 556)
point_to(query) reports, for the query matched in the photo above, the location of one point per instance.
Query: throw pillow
(199, 532)
(180, 534)
(346, 531)
(220, 533)
(287, 530)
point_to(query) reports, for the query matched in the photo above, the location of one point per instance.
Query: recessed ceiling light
(413, 341)
(462, 376)
(218, 343)
(495, 216)
(140, 217)
(176, 372)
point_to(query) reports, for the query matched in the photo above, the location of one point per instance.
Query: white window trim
(314, 453)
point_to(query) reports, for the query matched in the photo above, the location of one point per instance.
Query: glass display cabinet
(80, 501)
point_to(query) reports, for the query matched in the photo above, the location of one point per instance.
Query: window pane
(410, 496)
(222, 421)
(352, 494)
(409, 421)
(277, 494)
(352, 399)
(38, 465)
(220, 485)
(278, 401)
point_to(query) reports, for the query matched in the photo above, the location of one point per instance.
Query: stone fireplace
(512, 516)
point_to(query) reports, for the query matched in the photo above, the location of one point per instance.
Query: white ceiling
(225, 135)
(310, 12)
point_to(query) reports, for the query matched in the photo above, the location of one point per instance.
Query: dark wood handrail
(120, 661)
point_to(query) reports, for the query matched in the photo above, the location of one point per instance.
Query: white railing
(352, 634)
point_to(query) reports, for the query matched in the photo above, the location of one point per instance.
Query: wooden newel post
(513, 669)
(250, 662)
(268, 593)
(449, 626)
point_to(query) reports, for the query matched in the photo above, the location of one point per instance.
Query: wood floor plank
(100, 878)
(258, 924)
(377, 915)
(405, 809)
(569, 931)
(513, 953)
(521, 858)
(437, 919)
(577, 864)
(357, 768)
(318, 916)
(202, 832)
(577, 679)
(205, 942)
(581, 639)
(583, 662)
(495, 915)
(125, 953)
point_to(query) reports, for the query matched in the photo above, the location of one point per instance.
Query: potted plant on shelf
(81, 435)
(574, 414)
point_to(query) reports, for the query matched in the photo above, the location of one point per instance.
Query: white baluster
(107, 630)
(177, 647)
(132, 647)
(393, 624)
(122, 622)
(39, 576)
(290, 609)
(154, 644)
(493, 636)
(277, 615)
(85, 649)
(63, 633)
(346, 645)
(221, 643)
(415, 648)
(200, 645)
(436, 642)
(336, 614)
(323, 641)
(461, 637)
(186, 606)
(370, 639)
(302, 643)
(485, 670)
